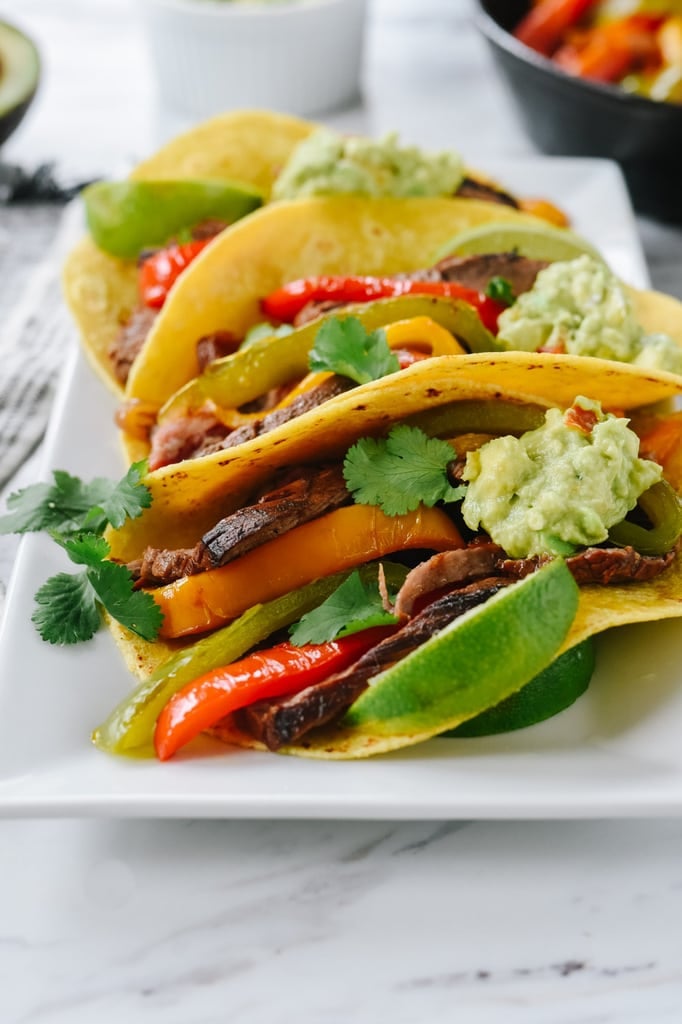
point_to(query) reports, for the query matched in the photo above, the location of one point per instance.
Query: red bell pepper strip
(160, 271)
(276, 672)
(287, 302)
(544, 26)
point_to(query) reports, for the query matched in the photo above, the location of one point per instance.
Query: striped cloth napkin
(36, 334)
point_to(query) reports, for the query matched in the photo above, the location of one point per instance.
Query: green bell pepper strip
(125, 217)
(550, 692)
(273, 361)
(498, 416)
(129, 729)
(663, 509)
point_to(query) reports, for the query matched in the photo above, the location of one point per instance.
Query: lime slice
(125, 217)
(474, 663)
(536, 241)
(550, 692)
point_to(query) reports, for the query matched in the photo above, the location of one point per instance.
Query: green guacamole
(327, 164)
(580, 307)
(558, 487)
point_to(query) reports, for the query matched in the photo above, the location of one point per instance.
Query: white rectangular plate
(616, 752)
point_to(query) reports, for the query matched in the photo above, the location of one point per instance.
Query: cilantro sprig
(345, 347)
(75, 514)
(355, 605)
(68, 505)
(400, 472)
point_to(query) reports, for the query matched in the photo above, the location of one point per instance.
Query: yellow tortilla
(222, 289)
(189, 498)
(250, 146)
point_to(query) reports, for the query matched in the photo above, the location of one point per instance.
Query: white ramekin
(302, 57)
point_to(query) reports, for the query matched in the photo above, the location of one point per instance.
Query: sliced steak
(215, 346)
(473, 189)
(130, 339)
(448, 567)
(312, 310)
(617, 565)
(311, 494)
(333, 386)
(477, 271)
(285, 720)
(181, 437)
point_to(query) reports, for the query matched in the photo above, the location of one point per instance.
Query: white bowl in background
(300, 57)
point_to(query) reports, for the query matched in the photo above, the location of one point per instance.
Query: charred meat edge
(311, 494)
(285, 720)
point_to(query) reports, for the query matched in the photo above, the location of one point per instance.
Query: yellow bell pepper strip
(129, 729)
(339, 540)
(236, 379)
(276, 672)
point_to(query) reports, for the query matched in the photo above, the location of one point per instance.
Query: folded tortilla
(189, 498)
(249, 146)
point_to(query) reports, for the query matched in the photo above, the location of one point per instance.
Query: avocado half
(19, 76)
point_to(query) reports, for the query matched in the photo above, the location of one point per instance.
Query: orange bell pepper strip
(339, 540)
(282, 670)
(544, 26)
(610, 52)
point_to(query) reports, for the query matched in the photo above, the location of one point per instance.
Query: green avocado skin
(125, 217)
(18, 87)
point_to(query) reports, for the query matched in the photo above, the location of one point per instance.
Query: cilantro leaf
(84, 548)
(125, 499)
(68, 605)
(500, 289)
(67, 609)
(399, 473)
(68, 505)
(345, 347)
(354, 605)
(134, 609)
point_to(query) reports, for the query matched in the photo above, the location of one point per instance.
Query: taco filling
(495, 510)
(576, 307)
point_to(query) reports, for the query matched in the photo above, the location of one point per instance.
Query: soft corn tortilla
(222, 289)
(249, 146)
(189, 498)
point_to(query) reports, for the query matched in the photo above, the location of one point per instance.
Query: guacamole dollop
(579, 306)
(559, 487)
(327, 164)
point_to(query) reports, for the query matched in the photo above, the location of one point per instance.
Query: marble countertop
(198, 922)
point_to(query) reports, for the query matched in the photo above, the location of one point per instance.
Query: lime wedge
(550, 692)
(125, 217)
(536, 241)
(474, 663)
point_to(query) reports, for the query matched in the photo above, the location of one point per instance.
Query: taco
(211, 175)
(237, 545)
(201, 182)
(297, 265)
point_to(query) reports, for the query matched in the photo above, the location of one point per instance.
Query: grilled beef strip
(477, 271)
(285, 720)
(215, 346)
(593, 565)
(129, 340)
(470, 188)
(311, 494)
(330, 388)
(191, 437)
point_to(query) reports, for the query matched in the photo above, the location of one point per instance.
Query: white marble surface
(259, 923)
